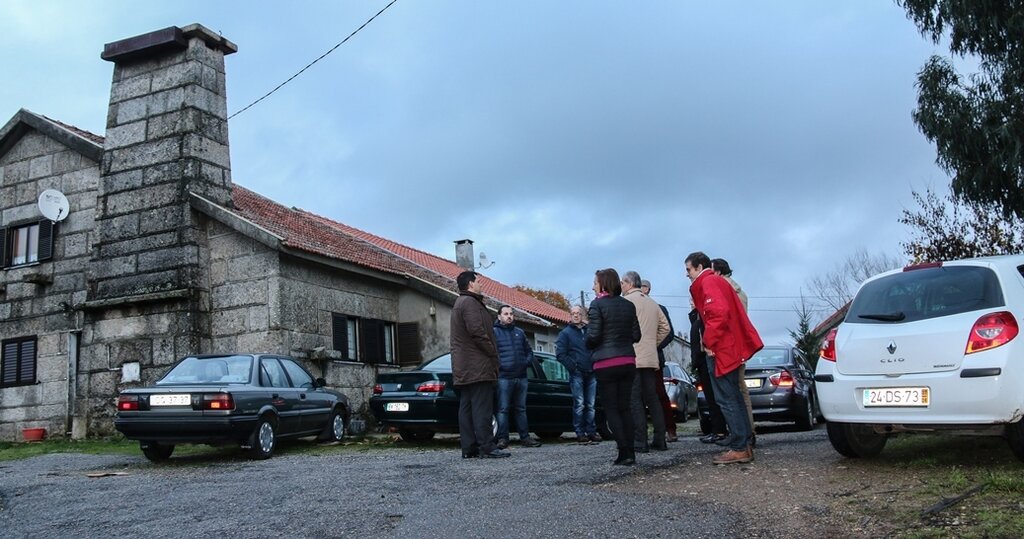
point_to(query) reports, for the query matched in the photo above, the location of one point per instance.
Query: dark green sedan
(422, 402)
(250, 400)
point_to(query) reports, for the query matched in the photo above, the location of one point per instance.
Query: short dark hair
(509, 307)
(608, 280)
(464, 279)
(698, 259)
(721, 266)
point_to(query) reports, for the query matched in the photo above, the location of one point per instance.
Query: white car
(927, 348)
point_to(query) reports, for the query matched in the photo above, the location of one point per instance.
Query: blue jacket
(571, 350)
(514, 352)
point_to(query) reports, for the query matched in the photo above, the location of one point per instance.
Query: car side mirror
(320, 382)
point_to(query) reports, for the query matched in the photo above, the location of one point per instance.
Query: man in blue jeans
(515, 356)
(571, 351)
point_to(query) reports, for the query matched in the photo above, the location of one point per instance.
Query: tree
(836, 288)
(953, 229)
(803, 336)
(551, 297)
(976, 124)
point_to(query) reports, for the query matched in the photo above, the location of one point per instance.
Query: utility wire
(322, 56)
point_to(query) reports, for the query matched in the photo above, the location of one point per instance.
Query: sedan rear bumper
(186, 430)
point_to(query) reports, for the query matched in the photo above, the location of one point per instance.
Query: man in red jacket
(729, 340)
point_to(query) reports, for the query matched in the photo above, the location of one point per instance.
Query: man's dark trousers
(476, 410)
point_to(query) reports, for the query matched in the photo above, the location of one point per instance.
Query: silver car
(682, 392)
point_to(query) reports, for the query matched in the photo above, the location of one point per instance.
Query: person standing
(514, 357)
(653, 329)
(571, 351)
(700, 362)
(721, 267)
(729, 340)
(612, 329)
(474, 368)
(666, 405)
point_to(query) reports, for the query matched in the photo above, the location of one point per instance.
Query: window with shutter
(3, 248)
(28, 243)
(18, 362)
(409, 344)
(45, 244)
(372, 336)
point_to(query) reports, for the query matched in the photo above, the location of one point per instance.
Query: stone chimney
(464, 254)
(167, 137)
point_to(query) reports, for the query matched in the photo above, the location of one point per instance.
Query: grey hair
(632, 278)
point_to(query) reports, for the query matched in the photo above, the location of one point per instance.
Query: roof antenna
(484, 264)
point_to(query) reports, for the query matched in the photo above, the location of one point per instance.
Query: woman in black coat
(612, 328)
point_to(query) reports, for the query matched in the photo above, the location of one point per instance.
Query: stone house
(162, 255)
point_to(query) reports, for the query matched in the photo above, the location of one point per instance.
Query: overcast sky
(561, 137)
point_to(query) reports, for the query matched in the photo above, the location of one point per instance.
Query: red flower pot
(34, 434)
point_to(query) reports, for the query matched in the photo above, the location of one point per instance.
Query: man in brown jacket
(474, 368)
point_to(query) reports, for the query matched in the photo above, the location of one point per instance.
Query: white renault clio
(932, 347)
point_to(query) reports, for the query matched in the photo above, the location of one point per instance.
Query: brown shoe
(734, 457)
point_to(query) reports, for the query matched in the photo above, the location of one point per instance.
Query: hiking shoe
(502, 444)
(734, 457)
(582, 440)
(529, 442)
(595, 438)
(496, 454)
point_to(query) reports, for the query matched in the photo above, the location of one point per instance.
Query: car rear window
(209, 370)
(926, 293)
(438, 364)
(769, 357)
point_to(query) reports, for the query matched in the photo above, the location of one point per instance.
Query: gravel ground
(558, 490)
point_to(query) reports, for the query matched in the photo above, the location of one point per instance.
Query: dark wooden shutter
(409, 344)
(4, 261)
(371, 335)
(339, 328)
(46, 233)
(27, 362)
(9, 371)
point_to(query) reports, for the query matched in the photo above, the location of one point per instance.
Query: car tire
(855, 440)
(156, 452)
(1015, 437)
(416, 435)
(683, 414)
(705, 426)
(335, 429)
(806, 419)
(263, 439)
(604, 430)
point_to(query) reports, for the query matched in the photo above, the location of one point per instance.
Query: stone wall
(39, 299)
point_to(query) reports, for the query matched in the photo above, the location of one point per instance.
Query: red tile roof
(314, 233)
(92, 137)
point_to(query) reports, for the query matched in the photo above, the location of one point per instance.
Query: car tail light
(781, 379)
(433, 386)
(218, 401)
(828, 346)
(700, 386)
(925, 265)
(128, 402)
(991, 331)
(378, 389)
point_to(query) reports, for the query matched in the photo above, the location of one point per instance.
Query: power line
(762, 310)
(322, 56)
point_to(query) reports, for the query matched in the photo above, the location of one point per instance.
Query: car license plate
(753, 382)
(170, 400)
(897, 396)
(396, 407)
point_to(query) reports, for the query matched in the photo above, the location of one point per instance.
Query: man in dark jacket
(571, 351)
(666, 406)
(474, 368)
(514, 357)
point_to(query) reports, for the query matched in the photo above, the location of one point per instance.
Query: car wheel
(263, 439)
(1015, 437)
(855, 440)
(806, 419)
(416, 435)
(684, 415)
(334, 430)
(156, 452)
(604, 430)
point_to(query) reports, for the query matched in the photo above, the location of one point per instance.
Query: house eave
(24, 120)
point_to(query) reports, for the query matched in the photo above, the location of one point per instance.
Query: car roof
(1007, 263)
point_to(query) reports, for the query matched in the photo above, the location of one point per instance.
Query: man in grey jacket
(474, 368)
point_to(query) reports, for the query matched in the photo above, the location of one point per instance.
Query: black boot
(621, 457)
(629, 458)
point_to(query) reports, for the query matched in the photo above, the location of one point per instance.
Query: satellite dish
(53, 205)
(484, 264)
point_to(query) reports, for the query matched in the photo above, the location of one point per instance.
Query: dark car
(781, 386)
(681, 390)
(251, 400)
(423, 402)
